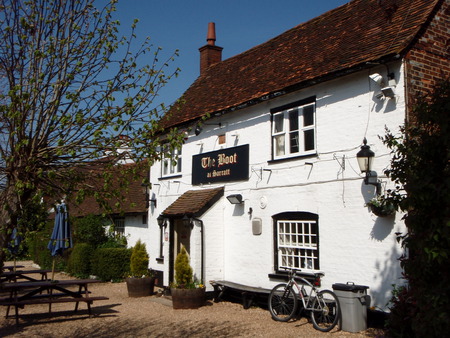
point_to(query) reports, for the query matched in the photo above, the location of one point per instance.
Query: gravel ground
(122, 316)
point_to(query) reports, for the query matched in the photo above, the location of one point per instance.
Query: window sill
(284, 159)
(170, 177)
(309, 276)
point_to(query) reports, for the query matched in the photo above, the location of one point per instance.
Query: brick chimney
(210, 53)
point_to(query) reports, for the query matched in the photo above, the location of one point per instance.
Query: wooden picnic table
(11, 267)
(47, 292)
(11, 276)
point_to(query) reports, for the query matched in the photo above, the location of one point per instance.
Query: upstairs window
(171, 162)
(293, 129)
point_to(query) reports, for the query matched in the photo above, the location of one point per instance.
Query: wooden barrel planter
(140, 287)
(188, 298)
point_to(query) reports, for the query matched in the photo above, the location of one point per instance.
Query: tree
(72, 90)
(420, 168)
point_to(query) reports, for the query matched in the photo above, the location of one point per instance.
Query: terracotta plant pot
(188, 298)
(140, 287)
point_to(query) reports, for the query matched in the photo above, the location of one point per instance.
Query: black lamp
(365, 160)
(145, 189)
(161, 221)
(187, 221)
(235, 199)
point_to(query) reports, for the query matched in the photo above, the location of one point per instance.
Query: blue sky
(240, 25)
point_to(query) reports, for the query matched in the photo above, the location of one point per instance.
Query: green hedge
(111, 263)
(37, 243)
(79, 262)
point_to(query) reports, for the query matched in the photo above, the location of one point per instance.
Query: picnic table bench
(42, 292)
(248, 293)
(11, 267)
(23, 274)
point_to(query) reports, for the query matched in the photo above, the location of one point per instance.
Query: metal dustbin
(354, 304)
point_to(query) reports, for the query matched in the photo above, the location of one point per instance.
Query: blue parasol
(61, 238)
(14, 245)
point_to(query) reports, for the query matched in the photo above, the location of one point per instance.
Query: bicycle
(323, 305)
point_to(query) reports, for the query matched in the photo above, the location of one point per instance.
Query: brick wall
(428, 61)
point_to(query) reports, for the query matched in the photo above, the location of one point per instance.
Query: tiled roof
(134, 197)
(194, 202)
(333, 44)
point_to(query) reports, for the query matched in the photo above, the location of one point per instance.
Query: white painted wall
(355, 245)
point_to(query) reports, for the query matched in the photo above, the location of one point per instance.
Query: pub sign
(223, 165)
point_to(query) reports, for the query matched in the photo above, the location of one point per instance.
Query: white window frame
(285, 132)
(298, 244)
(171, 162)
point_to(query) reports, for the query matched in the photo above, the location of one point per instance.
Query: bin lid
(349, 286)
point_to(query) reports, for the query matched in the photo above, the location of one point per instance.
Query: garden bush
(89, 229)
(111, 263)
(79, 262)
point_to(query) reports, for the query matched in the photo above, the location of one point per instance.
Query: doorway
(181, 237)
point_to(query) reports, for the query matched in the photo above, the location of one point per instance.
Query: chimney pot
(211, 36)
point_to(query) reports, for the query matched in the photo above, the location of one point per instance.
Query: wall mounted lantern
(161, 221)
(187, 221)
(235, 199)
(145, 190)
(198, 128)
(365, 160)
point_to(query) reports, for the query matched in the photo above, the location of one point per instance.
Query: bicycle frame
(301, 290)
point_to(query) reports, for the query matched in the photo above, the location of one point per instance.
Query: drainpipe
(202, 266)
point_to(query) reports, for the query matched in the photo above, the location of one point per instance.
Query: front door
(181, 238)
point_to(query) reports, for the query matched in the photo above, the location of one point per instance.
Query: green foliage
(79, 262)
(72, 89)
(421, 171)
(111, 263)
(89, 229)
(183, 270)
(139, 260)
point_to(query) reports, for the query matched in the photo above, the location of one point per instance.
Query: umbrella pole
(53, 269)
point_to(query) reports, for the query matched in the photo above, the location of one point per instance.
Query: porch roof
(193, 202)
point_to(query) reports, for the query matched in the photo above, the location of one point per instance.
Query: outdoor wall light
(161, 221)
(235, 199)
(198, 128)
(388, 92)
(187, 221)
(145, 190)
(365, 160)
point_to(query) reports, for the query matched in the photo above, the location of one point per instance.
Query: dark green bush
(79, 262)
(111, 263)
(89, 229)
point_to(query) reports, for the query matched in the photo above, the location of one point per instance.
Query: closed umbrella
(14, 245)
(61, 238)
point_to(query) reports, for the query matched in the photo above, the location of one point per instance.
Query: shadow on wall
(389, 272)
(382, 227)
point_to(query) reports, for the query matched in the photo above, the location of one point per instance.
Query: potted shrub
(142, 280)
(381, 206)
(186, 294)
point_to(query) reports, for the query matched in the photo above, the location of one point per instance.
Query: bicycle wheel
(325, 311)
(282, 302)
